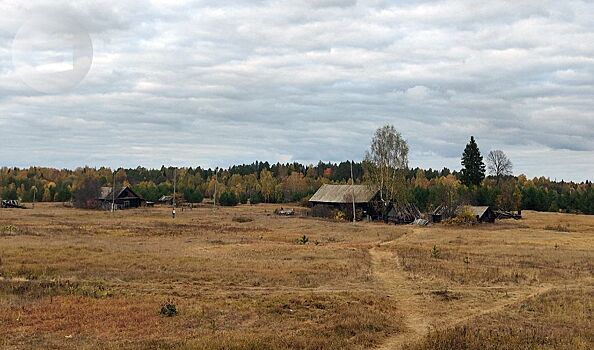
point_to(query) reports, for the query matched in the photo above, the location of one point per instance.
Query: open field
(72, 279)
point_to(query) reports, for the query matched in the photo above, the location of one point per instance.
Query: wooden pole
(353, 191)
(113, 192)
(174, 185)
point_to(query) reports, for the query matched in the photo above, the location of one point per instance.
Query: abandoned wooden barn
(482, 213)
(330, 198)
(442, 212)
(404, 213)
(123, 198)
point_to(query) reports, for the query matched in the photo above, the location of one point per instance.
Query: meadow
(244, 278)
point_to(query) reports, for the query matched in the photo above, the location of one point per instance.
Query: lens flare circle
(52, 55)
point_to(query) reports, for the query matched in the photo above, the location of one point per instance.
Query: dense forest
(294, 182)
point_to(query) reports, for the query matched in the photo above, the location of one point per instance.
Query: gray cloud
(211, 83)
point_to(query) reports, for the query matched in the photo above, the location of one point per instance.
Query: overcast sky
(213, 83)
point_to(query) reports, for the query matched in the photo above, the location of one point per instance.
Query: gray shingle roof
(477, 211)
(343, 194)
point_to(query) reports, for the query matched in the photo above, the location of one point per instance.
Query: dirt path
(417, 318)
(532, 293)
(394, 281)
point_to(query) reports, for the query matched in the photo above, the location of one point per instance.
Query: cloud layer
(213, 83)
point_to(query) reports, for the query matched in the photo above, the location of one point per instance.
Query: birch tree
(385, 163)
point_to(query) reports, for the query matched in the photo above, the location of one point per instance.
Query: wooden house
(123, 198)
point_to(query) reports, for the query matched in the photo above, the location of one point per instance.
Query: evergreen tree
(473, 171)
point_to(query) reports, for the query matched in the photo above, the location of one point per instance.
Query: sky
(215, 83)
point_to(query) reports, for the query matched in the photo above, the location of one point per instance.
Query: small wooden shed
(482, 213)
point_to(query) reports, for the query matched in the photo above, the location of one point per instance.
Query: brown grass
(560, 319)
(84, 279)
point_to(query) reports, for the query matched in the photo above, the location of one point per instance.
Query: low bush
(242, 219)
(168, 309)
(303, 240)
(558, 228)
(435, 252)
(339, 215)
(464, 218)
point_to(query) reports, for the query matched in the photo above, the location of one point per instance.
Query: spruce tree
(473, 171)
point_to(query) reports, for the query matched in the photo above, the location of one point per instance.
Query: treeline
(510, 193)
(293, 182)
(258, 182)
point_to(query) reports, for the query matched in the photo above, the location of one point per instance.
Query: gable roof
(477, 211)
(106, 193)
(343, 194)
(404, 210)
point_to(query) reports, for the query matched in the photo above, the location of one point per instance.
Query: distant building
(168, 200)
(330, 198)
(404, 213)
(482, 214)
(442, 212)
(124, 197)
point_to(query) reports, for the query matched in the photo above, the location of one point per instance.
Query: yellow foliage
(466, 217)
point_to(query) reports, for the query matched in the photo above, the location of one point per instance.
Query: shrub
(303, 240)
(168, 309)
(242, 219)
(8, 230)
(445, 295)
(228, 199)
(466, 217)
(435, 252)
(339, 215)
(558, 228)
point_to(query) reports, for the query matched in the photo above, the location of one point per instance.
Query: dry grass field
(72, 279)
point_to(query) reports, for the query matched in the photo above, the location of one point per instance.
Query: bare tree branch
(499, 164)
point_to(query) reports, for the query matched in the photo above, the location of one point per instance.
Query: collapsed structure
(481, 213)
(166, 200)
(13, 204)
(442, 212)
(405, 213)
